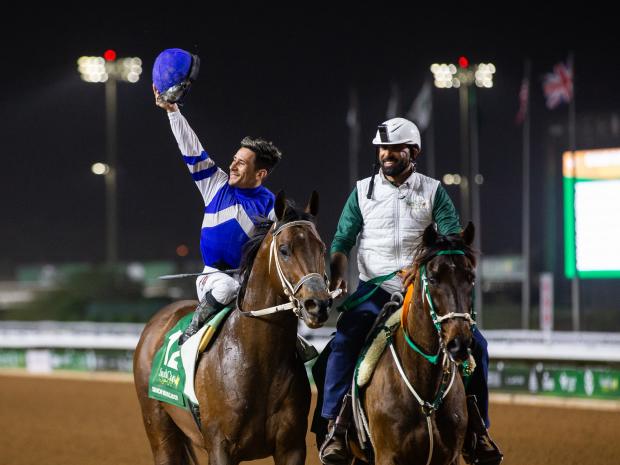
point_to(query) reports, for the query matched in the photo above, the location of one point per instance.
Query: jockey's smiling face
(243, 172)
(395, 159)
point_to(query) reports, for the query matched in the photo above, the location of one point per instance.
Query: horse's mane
(252, 246)
(424, 253)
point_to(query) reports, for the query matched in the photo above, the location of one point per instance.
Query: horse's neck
(422, 332)
(270, 332)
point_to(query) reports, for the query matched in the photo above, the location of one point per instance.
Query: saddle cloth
(172, 374)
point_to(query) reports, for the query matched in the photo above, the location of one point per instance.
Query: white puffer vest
(394, 220)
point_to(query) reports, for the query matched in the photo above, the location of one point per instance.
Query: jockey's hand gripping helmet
(173, 73)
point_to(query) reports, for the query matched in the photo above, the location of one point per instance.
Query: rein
(290, 289)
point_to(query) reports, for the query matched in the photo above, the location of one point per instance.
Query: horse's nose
(318, 307)
(458, 348)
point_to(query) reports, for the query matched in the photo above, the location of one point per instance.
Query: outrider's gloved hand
(338, 272)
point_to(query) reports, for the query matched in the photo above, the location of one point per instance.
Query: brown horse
(252, 387)
(417, 391)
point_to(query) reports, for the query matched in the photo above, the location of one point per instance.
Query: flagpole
(430, 140)
(573, 147)
(525, 233)
(354, 136)
(353, 123)
(474, 188)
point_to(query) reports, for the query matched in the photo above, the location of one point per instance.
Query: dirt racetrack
(67, 421)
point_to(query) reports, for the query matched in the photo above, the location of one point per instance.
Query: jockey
(233, 203)
(389, 212)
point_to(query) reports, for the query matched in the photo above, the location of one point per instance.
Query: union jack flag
(558, 85)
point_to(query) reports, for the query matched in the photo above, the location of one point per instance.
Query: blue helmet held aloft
(173, 72)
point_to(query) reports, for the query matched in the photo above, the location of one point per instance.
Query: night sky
(282, 78)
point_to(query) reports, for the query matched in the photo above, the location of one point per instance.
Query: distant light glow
(100, 169)
(479, 179)
(97, 69)
(448, 179)
(109, 55)
(452, 179)
(484, 75)
(182, 250)
(443, 75)
(448, 76)
(92, 69)
(129, 69)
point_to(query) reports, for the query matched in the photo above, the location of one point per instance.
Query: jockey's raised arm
(205, 173)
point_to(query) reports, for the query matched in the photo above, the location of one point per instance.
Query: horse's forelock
(424, 253)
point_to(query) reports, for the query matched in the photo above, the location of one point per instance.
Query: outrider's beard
(397, 168)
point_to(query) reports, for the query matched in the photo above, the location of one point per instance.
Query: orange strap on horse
(406, 304)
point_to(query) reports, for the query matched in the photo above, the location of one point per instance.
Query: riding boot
(207, 307)
(335, 450)
(479, 448)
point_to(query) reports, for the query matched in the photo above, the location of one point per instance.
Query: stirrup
(305, 350)
(189, 332)
(335, 449)
(479, 448)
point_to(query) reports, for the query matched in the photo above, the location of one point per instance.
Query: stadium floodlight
(109, 69)
(100, 169)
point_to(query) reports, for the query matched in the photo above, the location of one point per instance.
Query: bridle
(290, 289)
(437, 320)
(448, 364)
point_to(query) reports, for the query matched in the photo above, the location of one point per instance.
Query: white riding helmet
(397, 131)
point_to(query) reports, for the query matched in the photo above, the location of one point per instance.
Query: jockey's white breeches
(222, 286)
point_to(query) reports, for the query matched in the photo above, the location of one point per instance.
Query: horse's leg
(220, 454)
(292, 423)
(169, 444)
(290, 447)
(292, 453)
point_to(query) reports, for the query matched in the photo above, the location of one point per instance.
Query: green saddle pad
(168, 375)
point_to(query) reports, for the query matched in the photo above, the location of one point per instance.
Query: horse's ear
(430, 235)
(313, 204)
(468, 233)
(280, 205)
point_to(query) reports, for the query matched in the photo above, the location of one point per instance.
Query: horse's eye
(432, 280)
(284, 250)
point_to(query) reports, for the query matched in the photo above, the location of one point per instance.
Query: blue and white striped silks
(230, 212)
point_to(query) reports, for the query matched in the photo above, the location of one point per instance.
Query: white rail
(514, 344)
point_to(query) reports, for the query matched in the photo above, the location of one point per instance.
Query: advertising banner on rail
(591, 382)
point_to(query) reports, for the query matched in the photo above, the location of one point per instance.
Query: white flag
(422, 107)
(392, 107)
